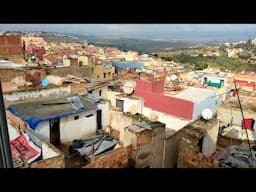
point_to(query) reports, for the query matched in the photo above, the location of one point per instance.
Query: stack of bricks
(190, 155)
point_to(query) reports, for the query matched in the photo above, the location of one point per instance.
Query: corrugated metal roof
(120, 65)
(195, 94)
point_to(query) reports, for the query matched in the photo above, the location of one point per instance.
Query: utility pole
(5, 148)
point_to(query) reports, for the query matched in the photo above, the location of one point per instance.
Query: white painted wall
(170, 122)
(84, 59)
(43, 129)
(210, 140)
(103, 92)
(209, 102)
(118, 122)
(104, 106)
(81, 128)
(66, 62)
(13, 132)
(111, 96)
(48, 151)
(23, 95)
(128, 102)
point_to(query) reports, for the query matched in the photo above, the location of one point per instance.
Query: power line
(243, 122)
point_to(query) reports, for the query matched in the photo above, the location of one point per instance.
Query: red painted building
(37, 51)
(152, 92)
(187, 105)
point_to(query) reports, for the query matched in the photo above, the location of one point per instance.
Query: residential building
(10, 45)
(127, 65)
(103, 70)
(169, 109)
(59, 121)
(247, 81)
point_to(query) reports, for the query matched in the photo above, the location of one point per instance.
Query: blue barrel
(45, 82)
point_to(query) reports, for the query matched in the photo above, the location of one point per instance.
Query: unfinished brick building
(10, 45)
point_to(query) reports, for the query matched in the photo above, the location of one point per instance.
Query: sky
(147, 31)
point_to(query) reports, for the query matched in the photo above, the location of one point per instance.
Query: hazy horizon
(199, 32)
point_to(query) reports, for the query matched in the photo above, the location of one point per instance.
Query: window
(104, 74)
(80, 63)
(76, 117)
(98, 76)
(119, 103)
(100, 92)
(89, 115)
(109, 73)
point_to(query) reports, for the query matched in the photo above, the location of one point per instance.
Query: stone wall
(190, 146)
(76, 70)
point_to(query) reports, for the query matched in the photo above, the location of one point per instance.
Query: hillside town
(80, 105)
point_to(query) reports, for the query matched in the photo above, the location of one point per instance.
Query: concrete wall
(103, 90)
(43, 129)
(210, 139)
(129, 102)
(81, 128)
(76, 70)
(83, 59)
(104, 106)
(118, 122)
(49, 151)
(225, 115)
(171, 122)
(171, 149)
(157, 148)
(209, 102)
(111, 96)
(26, 95)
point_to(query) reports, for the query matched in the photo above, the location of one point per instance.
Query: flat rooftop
(194, 94)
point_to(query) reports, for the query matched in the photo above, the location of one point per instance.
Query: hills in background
(137, 44)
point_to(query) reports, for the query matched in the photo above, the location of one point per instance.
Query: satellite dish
(173, 77)
(207, 114)
(153, 117)
(129, 87)
(133, 109)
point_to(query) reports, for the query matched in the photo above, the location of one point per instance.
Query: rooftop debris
(92, 146)
(23, 148)
(238, 156)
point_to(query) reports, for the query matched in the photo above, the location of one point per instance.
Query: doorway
(55, 131)
(99, 119)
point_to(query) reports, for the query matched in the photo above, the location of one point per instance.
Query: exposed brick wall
(82, 71)
(78, 88)
(55, 162)
(7, 74)
(10, 45)
(117, 158)
(189, 150)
